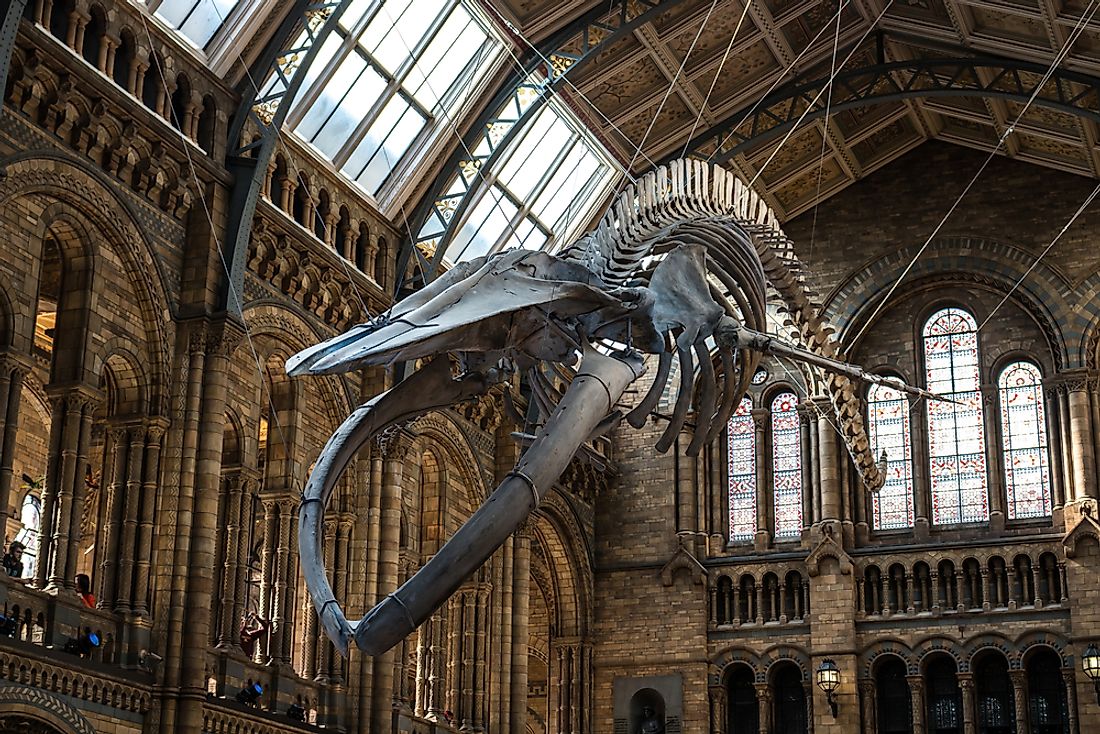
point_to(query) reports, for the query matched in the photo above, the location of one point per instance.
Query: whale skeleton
(680, 267)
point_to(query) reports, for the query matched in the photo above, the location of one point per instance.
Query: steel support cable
(234, 292)
(1082, 22)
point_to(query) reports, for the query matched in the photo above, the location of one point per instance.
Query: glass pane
(334, 93)
(1023, 428)
(787, 466)
(888, 429)
(741, 469)
(386, 141)
(197, 20)
(443, 74)
(956, 430)
(398, 29)
(534, 153)
(484, 225)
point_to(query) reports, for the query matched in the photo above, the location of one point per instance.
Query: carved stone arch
(891, 646)
(88, 191)
(43, 708)
(992, 641)
(546, 583)
(1034, 640)
(721, 662)
(130, 385)
(562, 512)
(782, 652)
(932, 645)
(573, 608)
(287, 325)
(447, 436)
(1046, 294)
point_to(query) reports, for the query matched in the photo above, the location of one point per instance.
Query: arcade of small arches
(989, 686)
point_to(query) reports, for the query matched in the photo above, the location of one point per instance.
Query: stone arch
(870, 657)
(88, 192)
(1034, 640)
(1045, 294)
(572, 606)
(785, 653)
(939, 645)
(44, 708)
(127, 387)
(720, 664)
(981, 644)
(456, 448)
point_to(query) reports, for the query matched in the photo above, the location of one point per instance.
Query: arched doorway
(1048, 706)
(895, 705)
(742, 708)
(993, 688)
(944, 699)
(788, 700)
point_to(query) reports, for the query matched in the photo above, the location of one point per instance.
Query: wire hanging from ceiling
(1082, 22)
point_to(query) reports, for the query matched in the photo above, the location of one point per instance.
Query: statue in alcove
(650, 723)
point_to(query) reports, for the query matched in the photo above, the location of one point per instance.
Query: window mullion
(305, 99)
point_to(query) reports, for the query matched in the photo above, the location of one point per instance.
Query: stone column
(1081, 441)
(12, 372)
(393, 445)
(717, 698)
(867, 705)
(521, 594)
(916, 695)
(993, 456)
(806, 429)
(763, 464)
(154, 438)
(830, 469)
(114, 484)
(966, 688)
(1056, 450)
(204, 528)
(1070, 681)
(1019, 699)
(764, 707)
(131, 500)
(233, 492)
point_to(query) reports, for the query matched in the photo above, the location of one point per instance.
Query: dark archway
(944, 699)
(742, 708)
(895, 705)
(1048, 705)
(993, 689)
(789, 700)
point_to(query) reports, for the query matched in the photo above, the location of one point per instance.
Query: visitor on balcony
(84, 590)
(13, 560)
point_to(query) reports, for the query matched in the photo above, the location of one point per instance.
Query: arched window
(1048, 706)
(888, 426)
(943, 697)
(743, 709)
(1024, 432)
(895, 704)
(956, 439)
(31, 517)
(741, 463)
(787, 466)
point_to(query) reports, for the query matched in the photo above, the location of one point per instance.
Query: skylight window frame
(490, 180)
(447, 109)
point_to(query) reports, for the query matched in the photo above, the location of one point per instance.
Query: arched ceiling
(627, 82)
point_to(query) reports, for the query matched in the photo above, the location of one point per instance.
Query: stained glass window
(787, 466)
(888, 426)
(741, 464)
(956, 435)
(1023, 428)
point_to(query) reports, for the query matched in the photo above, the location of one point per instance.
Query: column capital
(394, 442)
(13, 362)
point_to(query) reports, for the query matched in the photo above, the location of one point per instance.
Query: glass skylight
(550, 180)
(196, 20)
(391, 69)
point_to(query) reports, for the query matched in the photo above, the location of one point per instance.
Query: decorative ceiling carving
(629, 81)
